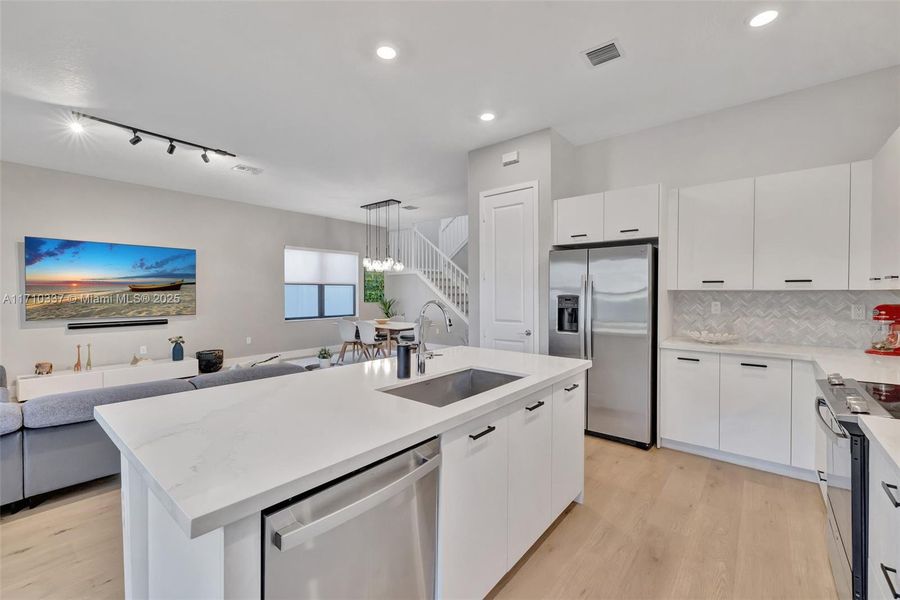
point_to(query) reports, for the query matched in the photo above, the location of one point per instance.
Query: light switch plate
(715, 308)
(249, 340)
(858, 312)
(142, 350)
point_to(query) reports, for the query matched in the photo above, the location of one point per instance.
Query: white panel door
(568, 443)
(579, 219)
(472, 511)
(715, 236)
(755, 407)
(802, 233)
(530, 428)
(689, 397)
(631, 213)
(508, 250)
(804, 391)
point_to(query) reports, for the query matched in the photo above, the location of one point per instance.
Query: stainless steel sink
(452, 387)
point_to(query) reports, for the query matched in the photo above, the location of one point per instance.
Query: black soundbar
(107, 324)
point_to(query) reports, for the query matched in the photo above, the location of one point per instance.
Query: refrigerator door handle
(581, 316)
(589, 319)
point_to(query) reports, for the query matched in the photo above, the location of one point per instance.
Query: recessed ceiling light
(386, 52)
(764, 18)
(488, 116)
(76, 126)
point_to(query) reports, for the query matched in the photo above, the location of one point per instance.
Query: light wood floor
(658, 524)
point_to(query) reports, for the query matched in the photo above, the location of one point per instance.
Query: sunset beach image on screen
(69, 279)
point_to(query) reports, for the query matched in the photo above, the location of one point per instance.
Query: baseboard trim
(744, 461)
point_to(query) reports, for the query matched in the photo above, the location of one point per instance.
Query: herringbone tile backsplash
(796, 317)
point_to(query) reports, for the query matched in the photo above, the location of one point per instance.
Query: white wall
(837, 122)
(412, 293)
(239, 265)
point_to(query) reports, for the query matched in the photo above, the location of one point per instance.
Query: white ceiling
(295, 88)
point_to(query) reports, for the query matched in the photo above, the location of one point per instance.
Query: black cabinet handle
(688, 359)
(821, 474)
(535, 406)
(578, 235)
(892, 276)
(574, 386)
(629, 230)
(798, 280)
(874, 278)
(885, 570)
(887, 490)
(713, 281)
(489, 429)
(755, 365)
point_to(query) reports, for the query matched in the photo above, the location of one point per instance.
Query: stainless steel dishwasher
(371, 534)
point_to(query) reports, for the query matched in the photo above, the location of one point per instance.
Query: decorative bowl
(710, 337)
(382, 321)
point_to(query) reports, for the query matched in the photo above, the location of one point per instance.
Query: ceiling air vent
(247, 169)
(409, 207)
(602, 54)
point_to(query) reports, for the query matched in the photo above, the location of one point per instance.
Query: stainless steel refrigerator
(603, 308)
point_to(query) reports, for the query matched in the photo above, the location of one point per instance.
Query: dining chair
(347, 329)
(413, 337)
(371, 340)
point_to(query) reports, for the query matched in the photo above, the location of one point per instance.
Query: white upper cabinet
(802, 230)
(886, 214)
(631, 213)
(862, 275)
(715, 236)
(579, 219)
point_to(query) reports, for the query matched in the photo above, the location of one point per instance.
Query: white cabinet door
(884, 526)
(631, 213)
(715, 236)
(472, 511)
(886, 214)
(579, 219)
(530, 431)
(568, 443)
(755, 407)
(803, 230)
(689, 397)
(862, 274)
(804, 391)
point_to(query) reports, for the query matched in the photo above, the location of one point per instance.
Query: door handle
(635, 230)
(712, 281)
(821, 476)
(526, 333)
(684, 358)
(755, 365)
(589, 320)
(572, 387)
(535, 406)
(578, 235)
(887, 487)
(488, 430)
(820, 402)
(798, 280)
(886, 570)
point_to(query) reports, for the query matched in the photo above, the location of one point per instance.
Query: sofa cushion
(249, 374)
(10, 417)
(2, 376)
(76, 407)
(4, 395)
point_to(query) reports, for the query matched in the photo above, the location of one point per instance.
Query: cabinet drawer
(579, 220)
(631, 213)
(689, 401)
(884, 525)
(755, 407)
(568, 443)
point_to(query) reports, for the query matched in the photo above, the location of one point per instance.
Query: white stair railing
(453, 235)
(420, 256)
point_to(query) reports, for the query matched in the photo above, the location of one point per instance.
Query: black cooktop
(887, 395)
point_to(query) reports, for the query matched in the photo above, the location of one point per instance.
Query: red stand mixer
(886, 341)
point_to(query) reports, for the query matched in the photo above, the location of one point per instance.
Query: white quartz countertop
(851, 363)
(216, 455)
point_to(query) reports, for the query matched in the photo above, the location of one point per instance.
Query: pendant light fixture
(379, 254)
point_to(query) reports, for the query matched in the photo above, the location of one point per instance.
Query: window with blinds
(319, 284)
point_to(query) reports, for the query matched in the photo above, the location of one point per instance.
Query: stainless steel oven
(847, 451)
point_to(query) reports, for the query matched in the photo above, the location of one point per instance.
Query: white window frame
(356, 286)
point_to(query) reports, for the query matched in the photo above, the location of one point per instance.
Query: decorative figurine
(43, 368)
(177, 347)
(77, 367)
(88, 365)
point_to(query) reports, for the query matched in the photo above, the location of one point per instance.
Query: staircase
(436, 269)
(454, 234)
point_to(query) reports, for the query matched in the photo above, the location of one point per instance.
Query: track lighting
(77, 127)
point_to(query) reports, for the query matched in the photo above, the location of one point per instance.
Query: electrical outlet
(858, 312)
(142, 350)
(249, 340)
(715, 308)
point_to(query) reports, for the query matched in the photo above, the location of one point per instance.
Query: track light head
(204, 156)
(136, 139)
(171, 148)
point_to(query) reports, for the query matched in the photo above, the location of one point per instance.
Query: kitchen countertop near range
(849, 362)
(214, 456)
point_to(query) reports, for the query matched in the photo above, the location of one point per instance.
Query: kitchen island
(199, 468)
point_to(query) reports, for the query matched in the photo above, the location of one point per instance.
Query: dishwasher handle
(297, 533)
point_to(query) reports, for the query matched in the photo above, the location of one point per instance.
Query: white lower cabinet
(755, 407)
(884, 526)
(504, 478)
(530, 431)
(472, 511)
(689, 397)
(804, 391)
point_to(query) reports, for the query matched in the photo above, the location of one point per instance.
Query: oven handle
(820, 402)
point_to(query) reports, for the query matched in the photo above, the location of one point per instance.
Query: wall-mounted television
(69, 279)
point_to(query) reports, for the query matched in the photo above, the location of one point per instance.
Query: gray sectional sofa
(52, 442)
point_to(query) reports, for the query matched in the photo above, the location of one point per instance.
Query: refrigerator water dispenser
(567, 313)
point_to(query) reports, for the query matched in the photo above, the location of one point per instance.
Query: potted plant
(387, 309)
(177, 347)
(324, 357)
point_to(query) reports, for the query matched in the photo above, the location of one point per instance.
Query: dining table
(392, 328)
